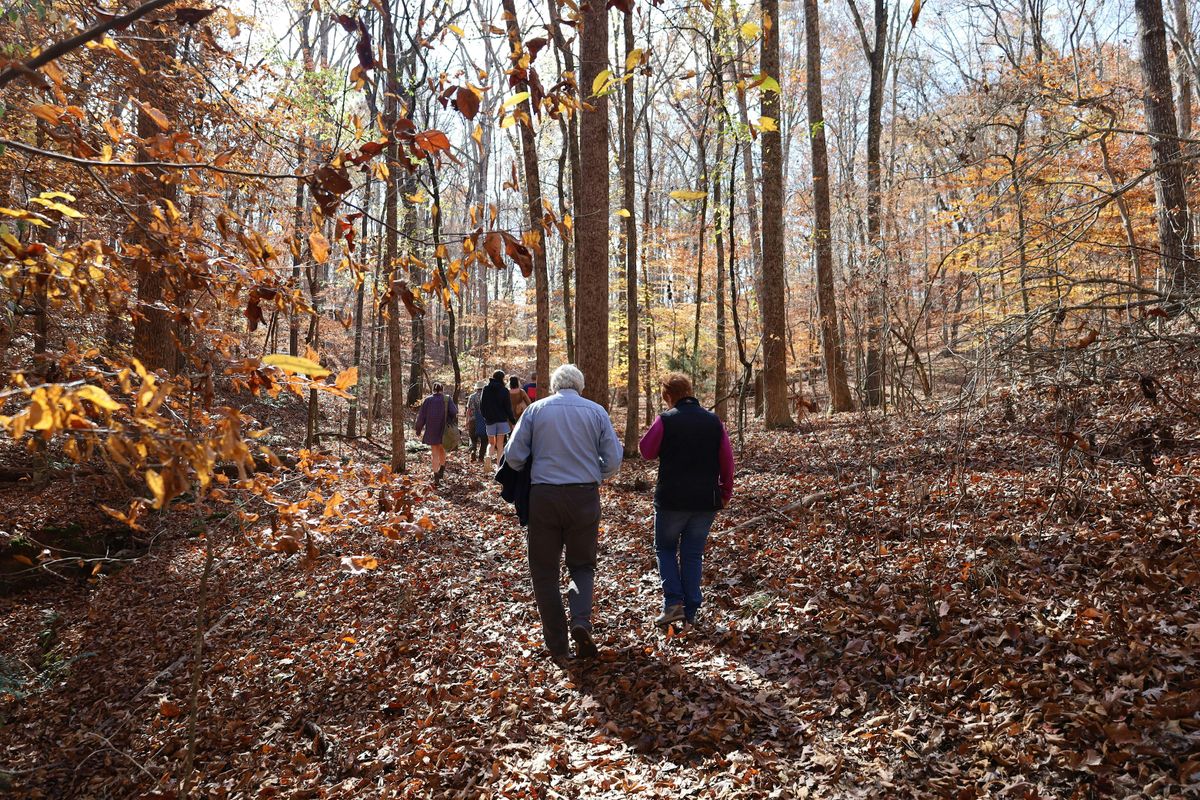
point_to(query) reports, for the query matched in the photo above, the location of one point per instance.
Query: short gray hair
(567, 376)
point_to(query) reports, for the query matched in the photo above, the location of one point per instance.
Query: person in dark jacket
(435, 414)
(498, 416)
(475, 425)
(695, 480)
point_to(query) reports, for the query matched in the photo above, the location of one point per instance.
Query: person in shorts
(496, 406)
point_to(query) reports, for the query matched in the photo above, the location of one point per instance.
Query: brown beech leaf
(466, 101)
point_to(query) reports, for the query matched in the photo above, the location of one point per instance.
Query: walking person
(475, 426)
(573, 447)
(435, 414)
(496, 406)
(695, 480)
(519, 397)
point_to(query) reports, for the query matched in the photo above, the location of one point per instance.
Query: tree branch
(79, 40)
(88, 162)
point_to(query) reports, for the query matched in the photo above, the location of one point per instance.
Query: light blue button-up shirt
(570, 438)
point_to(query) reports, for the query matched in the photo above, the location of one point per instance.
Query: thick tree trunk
(631, 254)
(155, 339)
(835, 366)
(773, 297)
(533, 200)
(591, 224)
(1175, 233)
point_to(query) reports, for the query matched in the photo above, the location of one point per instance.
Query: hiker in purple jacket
(436, 413)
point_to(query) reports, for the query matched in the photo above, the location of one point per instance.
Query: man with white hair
(573, 447)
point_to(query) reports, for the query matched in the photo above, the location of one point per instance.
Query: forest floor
(1009, 608)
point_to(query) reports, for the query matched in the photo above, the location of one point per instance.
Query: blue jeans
(679, 538)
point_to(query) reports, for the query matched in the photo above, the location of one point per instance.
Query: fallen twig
(803, 502)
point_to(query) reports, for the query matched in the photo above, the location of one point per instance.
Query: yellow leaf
(301, 366)
(633, 59)
(601, 82)
(347, 378)
(157, 487)
(53, 205)
(508, 121)
(767, 84)
(767, 124)
(688, 194)
(319, 246)
(622, 212)
(97, 397)
(456, 30)
(516, 98)
(750, 30)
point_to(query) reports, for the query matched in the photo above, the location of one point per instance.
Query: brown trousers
(563, 518)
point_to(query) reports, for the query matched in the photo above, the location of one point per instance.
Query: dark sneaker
(561, 660)
(671, 615)
(585, 646)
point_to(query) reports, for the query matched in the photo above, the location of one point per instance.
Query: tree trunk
(155, 340)
(721, 382)
(1174, 226)
(390, 242)
(1183, 47)
(591, 225)
(702, 180)
(533, 201)
(359, 301)
(876, 54)
(445, 295)
(571, 139)
(835, 366)
(631, 255)
(773, 299)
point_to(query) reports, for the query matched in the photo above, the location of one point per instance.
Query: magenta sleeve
(652, 440)
(725, 457)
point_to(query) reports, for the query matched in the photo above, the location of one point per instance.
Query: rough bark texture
(631, 255)
(533, 199)
(835, 366)
(773, 300)
(155, 341)
(591, 224)
(1174, 229)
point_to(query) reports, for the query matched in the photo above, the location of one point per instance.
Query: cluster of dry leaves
(1009, 608)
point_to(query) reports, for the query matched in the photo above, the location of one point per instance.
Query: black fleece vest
(688, 461)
